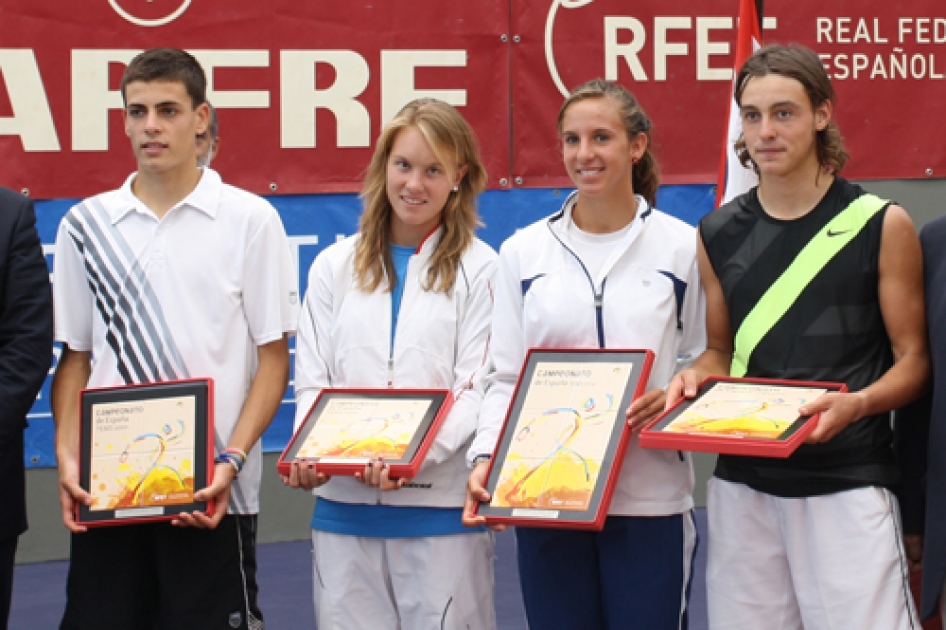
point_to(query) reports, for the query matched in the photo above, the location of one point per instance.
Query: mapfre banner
(303, 87)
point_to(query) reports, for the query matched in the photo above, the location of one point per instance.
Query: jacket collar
(430, 242)
(559, 221)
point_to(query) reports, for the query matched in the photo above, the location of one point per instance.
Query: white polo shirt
(189, 296)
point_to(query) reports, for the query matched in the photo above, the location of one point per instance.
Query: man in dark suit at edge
(26, 337)
(921, 440)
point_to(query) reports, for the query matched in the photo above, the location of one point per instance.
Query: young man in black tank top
(813, 541)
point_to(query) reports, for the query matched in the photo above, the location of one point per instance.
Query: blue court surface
(285, 581)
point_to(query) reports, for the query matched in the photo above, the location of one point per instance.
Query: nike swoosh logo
(830, 233)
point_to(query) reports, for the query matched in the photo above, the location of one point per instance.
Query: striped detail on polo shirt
(136, 330)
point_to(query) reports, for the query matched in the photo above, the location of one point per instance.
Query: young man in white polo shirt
(173, 275)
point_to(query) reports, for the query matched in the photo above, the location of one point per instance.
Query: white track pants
(428, 583)
(832, 562)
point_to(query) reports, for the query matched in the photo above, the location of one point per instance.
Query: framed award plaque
(347, 428)
(563, 442)
(144, 450)
(744, 416)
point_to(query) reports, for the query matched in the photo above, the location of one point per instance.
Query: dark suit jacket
(921, 431)
(26, 335)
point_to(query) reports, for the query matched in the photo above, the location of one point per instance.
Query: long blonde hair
(455, 146)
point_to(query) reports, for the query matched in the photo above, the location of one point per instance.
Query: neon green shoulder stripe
(840, 231)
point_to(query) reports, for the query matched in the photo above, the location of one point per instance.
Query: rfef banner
(887, 62)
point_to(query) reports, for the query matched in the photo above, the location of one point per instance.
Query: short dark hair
(803, 65)
(168, 64)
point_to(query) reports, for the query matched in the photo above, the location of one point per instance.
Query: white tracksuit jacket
(648, 296)
(344, 340)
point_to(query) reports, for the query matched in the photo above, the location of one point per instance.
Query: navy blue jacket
(921, 431)
(26, 337)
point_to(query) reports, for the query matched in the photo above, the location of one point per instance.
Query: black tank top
(834, 331)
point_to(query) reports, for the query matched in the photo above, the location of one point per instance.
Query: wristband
(230, 458)
(483, 457)
(236, 451)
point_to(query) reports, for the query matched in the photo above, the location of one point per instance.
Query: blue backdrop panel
(315, 221)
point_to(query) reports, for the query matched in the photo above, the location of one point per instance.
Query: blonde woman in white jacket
(606, 271)
(405, 303)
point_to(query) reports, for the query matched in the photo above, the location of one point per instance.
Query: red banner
(302, 88)
(887, 62)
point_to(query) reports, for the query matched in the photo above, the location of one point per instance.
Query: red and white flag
(734, 179)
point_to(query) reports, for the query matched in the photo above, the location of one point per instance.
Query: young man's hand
(684, 384)
(837, 412)
(71, 494)
(218, 492)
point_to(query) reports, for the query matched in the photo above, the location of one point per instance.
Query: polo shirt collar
(204, 197)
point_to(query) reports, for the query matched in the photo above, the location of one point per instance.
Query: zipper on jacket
(599, 312)
(393, 336)
(377, 498)
(599, 296)
(391, 358)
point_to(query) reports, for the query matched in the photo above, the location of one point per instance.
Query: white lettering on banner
(837, 31)
(91, 98)
(397, 78)
(664, 48)
(895, 64)
(666, 44)
(922, 30)
(32, 119)
(613, 50)
(211, 59)
(705, 48)
(845, 30)
(851, 48)
(299, 98)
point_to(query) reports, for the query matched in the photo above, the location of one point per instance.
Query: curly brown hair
(803, 65)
